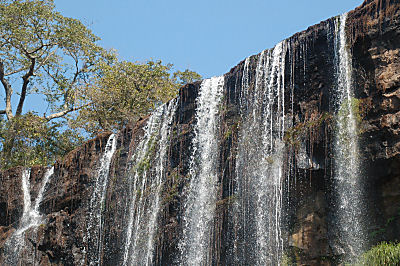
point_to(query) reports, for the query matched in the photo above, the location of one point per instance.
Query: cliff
(307, 226)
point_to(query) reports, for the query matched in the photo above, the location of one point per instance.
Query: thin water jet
(97, 203)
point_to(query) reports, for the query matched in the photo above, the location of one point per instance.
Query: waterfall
(146, 186)
(39, 197)
(199, 207)
(97, 204)
(259, 166)
(347, 177)
(31, 218)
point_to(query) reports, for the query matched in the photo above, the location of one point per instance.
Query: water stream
(97, 204)
(199, 208)
(31, 219)
(147, 178)
(259, 166)
(348, 184)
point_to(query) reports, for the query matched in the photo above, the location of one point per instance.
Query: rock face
(308, 232)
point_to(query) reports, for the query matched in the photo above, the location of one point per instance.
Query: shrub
(382, 254)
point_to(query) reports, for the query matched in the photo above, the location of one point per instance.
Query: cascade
(146, 186)
(200, 204)
(348, 185)
(259, 166)
(31, 218)
(97, 203)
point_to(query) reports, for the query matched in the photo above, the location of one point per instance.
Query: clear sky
(207, 36)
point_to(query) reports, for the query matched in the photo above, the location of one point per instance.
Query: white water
(139, 156)
(148, 176)
(160, 177)
(259, 164)
(347, 162)
(97, 204)
(31, 218)
(199, 207)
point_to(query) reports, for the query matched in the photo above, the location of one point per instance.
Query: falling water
(31, 218)
(201, 195)
(97, 204)
(347, 163)
(159, 178)
(39, 197)
(259, 165)
(146, 186)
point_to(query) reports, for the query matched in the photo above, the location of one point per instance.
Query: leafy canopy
(43, 52)
(85, 87)
(126, 91)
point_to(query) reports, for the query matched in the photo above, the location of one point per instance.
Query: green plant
(171, 186)
(228, 134)
(383, 229)
(286, 260)
(381, 254)
(145, 164)
(226, 201)
(358, 108)
(294, 135)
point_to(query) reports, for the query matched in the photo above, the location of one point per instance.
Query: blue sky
(207, 36)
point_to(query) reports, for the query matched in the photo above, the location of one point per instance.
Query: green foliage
(382, 230)
(184, 77)
(293, 136)
(350, 106)
(42, 52)
(287, 260)
(27, 140)
(382, 254)
(145, 164)
(126, 91)
(226, 201)
(53, 54)
(171, 189)
(84, 86)
(228, 134)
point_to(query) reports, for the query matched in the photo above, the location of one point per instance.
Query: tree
(49, 54)
(45, 53)
(34, 141)
(185, 77)
(84, 86)
(126, 91)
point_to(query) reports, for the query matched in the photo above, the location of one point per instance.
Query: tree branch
(25, 83)
(8, 91)
(65, 112)
(47, 70)
(47, 58)
(16, 71)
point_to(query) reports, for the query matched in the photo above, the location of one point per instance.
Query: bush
(382, 254)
